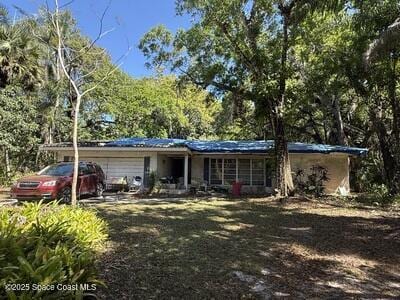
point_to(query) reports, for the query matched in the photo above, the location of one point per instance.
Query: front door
(177, 168)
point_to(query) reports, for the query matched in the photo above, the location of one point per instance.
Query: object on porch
(136, 185)
(199, 184)
(117, 184)
(236, 188)
(181, 184)
(220, 189)
(167, 180)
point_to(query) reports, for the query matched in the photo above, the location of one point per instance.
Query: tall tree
(240, 47)
(376, 79)
(70, 56)
(18, 129)
(19, 54)
(19, 76)
(156, 107)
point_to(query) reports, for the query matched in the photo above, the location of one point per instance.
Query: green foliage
(153, 181)
(367, 172)
(228, 81)
(18, 129)
(378, 195)
(19, 55)
(153, 107)
(312, 181)
(37, 102)
(17, 119)
(236, 121)
(48, 244)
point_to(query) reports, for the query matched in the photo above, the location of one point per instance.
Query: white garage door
(119, 167)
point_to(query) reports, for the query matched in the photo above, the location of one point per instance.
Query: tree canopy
(37, 102)
(293, 70)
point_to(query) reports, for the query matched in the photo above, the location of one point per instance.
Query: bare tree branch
(115, 68)
(385, 42)
(75, 78)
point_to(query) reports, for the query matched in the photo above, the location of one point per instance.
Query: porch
(174, 172)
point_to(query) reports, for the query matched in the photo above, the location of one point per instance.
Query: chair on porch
(181, 183)
(199, 184)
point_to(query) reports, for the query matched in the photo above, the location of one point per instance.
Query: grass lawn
(249, 249)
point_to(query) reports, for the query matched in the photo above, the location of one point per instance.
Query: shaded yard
(249, 249)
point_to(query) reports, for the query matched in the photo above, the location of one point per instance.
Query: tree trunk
(331, 108)
(395, 179)
(76, 151)
(384, 145)
(58, 72)
(340, 137)
(7, 163)
(284, 182)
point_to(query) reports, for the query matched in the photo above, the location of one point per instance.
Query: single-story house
(215, 163)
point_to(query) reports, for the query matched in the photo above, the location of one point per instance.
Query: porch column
(186, 172)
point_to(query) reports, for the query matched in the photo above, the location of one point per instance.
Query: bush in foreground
(48, 246)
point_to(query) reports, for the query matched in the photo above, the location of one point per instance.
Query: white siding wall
(337, 166)
(163, 165)
(117, 163)
(120, 167)
(197, 167)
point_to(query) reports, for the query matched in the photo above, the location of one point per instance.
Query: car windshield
(58, 170)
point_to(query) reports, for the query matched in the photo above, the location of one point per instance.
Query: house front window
(225, 171)
(229, 171)
(244, 171)
(257, 172)
(216, 171)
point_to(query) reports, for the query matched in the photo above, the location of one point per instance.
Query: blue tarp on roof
(233, 146)
(321, 148)
(147, 142)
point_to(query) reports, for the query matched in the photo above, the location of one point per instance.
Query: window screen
(244, 171)
(257, 171)
(250, 171)
(216, 171)
(229, 171)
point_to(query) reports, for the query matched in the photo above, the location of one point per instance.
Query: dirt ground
(250, 249)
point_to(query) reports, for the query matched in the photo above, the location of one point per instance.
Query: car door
(83, 179)
(92, 180)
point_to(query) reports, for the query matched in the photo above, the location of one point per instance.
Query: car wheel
(99, 189)
(65, 195)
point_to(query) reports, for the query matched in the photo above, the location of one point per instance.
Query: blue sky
(129, 18)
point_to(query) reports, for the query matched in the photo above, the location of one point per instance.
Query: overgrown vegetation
(310, 71)
(304, 67)
(37, 102)
(49, 244)
(311, 181)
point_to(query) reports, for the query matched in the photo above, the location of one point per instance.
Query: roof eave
(130, 149)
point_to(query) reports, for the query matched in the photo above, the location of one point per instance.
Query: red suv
(54, 182)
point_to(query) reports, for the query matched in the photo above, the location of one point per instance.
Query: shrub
(311, 183)
(153, 181)
(47, 245)
(378, 194)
